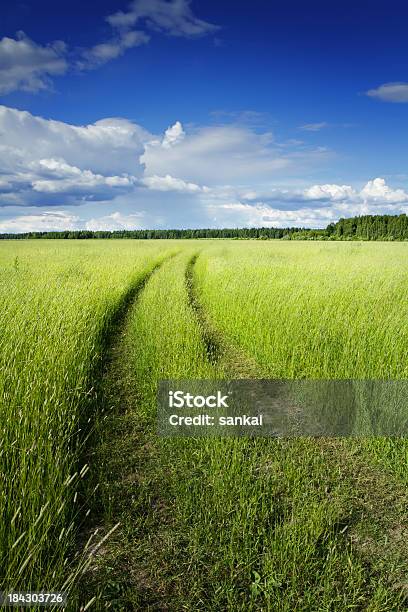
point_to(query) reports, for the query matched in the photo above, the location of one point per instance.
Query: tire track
(232, 361)
(131, 439)
(114, 400)
(114, 387)
(375, 521)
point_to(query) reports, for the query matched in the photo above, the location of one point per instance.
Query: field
(95, 503)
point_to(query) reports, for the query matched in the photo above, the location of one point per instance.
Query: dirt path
(137, 567)
(122, 460)
(228, 358)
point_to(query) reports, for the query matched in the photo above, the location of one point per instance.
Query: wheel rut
(220, 352)
(132, 461)
(111, 446)
(375, 533)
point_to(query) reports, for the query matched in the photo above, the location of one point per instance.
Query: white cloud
(174, 18)
(173, 135)
(115, 221)
(28, 66)
(169, 183)
(40, 157)
(63, 178)
(305, 217)
(263, 215)
(374, 192)
(107, 146)
(329, 192)
(314, 127)
(390, 92)
(378, 191)
(46, 221)
(224, 175)
(260, 214)
(272, 194)
(238, 214)
(107, 51)
(267, 216)
(316, 206)
(60, 220)
(218, 155)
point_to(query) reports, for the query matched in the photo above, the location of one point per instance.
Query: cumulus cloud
(28, 66)
(202, 176)
(169, 183)
(216, 154)
(390, 92)
(106, 146)
(375, 192)
(63, 178)
(329, 192)
(115, 221)
(40, 158)
(46, 221)
(60, 220)
(238, 214)
(315, 206)
(173, 135)
(378, 191)
(261, 214)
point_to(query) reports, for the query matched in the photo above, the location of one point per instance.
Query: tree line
(146, 234)
(366, 227)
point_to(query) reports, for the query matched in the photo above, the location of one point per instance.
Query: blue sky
(169, 113)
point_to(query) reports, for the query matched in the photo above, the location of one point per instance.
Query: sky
(190, 114)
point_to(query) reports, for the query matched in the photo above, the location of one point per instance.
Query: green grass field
(94, 502)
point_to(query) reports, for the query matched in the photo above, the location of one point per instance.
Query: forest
(366, 227)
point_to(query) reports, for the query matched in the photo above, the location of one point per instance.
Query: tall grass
(58, 300)
(316, 310)
(312, 310)
(244, 524)
(209, 524)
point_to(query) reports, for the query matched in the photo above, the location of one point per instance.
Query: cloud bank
(41, 159)
(114, 174)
